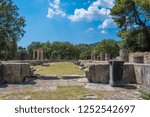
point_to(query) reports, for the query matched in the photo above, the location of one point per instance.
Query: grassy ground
(62, 93)
(59, 69)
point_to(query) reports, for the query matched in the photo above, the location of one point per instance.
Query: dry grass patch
(62, 93)
(59, 69)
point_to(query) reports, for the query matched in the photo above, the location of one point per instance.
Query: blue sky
(76, 21)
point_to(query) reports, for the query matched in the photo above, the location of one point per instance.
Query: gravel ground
(130, 92)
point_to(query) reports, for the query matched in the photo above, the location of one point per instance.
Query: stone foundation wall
(14, 72)
(32, 62)
(139, 57)
(132, 73)
(99, 73)
(143, 76)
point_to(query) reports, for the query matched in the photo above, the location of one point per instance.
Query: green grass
(145, 96)
(59, 69)
(62, 93)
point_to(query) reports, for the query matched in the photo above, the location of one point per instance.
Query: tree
(11, 29)
(133, 18)
(64, 50)
(85, 51)
(107, 46)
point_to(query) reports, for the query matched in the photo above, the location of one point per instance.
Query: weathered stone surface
(139, 57)
(129, 73)
(71, 76)
(124, 55)
(147, 58)
(15, 72)
(107, 56)
(116, 73)
(32, 62)
(102, 56)
(98, 73)
(48, 77)
(46, 64)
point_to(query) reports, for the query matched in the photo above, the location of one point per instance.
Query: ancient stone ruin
(38, 54)
(11, 72)
(101, 57)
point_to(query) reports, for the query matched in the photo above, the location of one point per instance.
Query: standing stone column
(38, 53)
(107, 56)
(42, 55)
(102, 56)
(34, 54)
(93, 57)
(124, 55)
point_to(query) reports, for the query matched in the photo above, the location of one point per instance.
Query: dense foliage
(107, 46)
(133, 18)
(11, 29)
(58, 50)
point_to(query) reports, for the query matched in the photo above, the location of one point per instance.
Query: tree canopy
(133, 18)
(107, 46)
(11, 28)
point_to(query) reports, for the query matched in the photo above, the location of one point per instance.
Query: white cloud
(108, 23)
(103, 32)
(90, 29)
(104, 3)
(92, 13)
(55, 9)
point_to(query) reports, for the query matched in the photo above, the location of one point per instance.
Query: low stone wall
(139, 57)
(142, 72)
(32, 62)
(14, 72)
(99, 73)
(132, 73)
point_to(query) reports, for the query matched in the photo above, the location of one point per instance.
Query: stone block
(15, 72)
(129, 73)
(124, 55)
(98, 73)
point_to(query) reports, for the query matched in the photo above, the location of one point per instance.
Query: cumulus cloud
(98, 10)
(55, 9)
(92, 13)
(104, 3)
(108, 23)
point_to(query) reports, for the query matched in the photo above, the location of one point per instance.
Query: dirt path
(107, 92)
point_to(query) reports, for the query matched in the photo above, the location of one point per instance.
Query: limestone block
(15, 72)
(129, 73)
(107, 56)
(98, 73)
(124, 55)
(102, 56)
